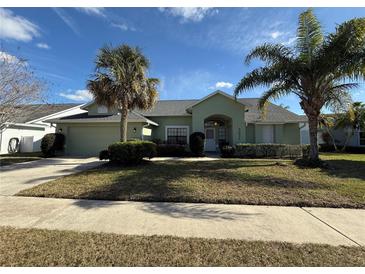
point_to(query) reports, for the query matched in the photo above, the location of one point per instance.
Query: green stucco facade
(89, 138)
(159, 132)
(220, 105)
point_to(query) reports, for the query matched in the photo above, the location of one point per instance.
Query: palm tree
(328, 122)
(120, 81)
(352, 120)
(319, 70)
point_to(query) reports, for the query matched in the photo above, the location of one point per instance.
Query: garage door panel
(90, 140)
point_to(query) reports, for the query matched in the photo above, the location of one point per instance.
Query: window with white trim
(102, 109)
(362, 138)
(177, 135)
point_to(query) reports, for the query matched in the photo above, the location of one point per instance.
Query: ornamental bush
(131, 152)
(51, 143)
(196, 143)
(272, 151)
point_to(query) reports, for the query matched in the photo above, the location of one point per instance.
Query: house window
(102, 109)
(221, 133)
(362, 138)
(177, 135)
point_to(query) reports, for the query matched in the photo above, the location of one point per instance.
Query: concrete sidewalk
(268, 223)
(16, 177)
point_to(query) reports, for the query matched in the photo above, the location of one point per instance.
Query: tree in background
(121, 81)
(19, 87)
(351, 121)
(320, 70)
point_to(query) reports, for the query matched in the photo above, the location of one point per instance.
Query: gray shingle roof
(274, 112)
(178, 107)
(85, 118)
(36, 111)
(169, 108)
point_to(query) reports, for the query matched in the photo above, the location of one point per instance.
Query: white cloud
(123, 27)
(16, 27)
(223, 85)
(93, 11)
(189, 14)
(7, 58)
(81, 95)
(276, 34)
(67, 19)
(43, 46)
(289, 42)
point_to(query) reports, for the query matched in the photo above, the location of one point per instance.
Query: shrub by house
(131, 152)
(271, 151)
(51, 143)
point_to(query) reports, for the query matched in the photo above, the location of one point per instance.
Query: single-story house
(25, 132)
(220, 116)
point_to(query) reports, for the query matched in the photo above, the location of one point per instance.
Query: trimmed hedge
(104, 155)
(196, 143)
(166, 150)
(348, 149)
(227, 152)
(131, 152)
(51, 143)
(272, 151)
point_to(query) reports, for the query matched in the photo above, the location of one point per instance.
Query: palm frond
(270, 53)
(309, 36)
(261, 76)
(277, 91)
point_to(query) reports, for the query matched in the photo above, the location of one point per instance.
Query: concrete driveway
(17, 177)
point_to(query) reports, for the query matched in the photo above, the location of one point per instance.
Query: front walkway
(16, 177)
(268, 223)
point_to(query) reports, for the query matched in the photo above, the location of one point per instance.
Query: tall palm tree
(121, 81)
(319, 70)
(350, 121)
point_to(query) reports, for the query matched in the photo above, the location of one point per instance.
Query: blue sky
(193, 51)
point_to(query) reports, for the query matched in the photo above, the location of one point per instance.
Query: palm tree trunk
(332, 138)
(123, 123)
(313, 129)
(348, 136)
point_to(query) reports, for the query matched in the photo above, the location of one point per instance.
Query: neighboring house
(357, 139)
(218, 115)
(27, 131)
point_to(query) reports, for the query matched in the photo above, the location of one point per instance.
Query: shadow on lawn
(346, 169)
(183, 182)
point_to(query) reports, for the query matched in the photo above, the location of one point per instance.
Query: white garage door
(90, 140)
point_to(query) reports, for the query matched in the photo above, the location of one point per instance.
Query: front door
(210, 139)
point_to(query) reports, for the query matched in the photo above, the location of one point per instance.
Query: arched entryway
(218, 132)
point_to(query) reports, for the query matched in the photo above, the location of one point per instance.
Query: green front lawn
(241, 181)
(36, 247)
